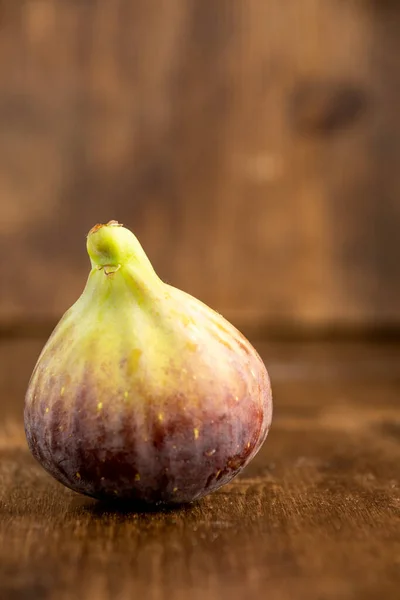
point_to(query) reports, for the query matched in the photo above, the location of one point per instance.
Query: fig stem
(112, 245)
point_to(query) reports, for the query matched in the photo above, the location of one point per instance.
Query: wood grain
(316, 516)
(253, 147)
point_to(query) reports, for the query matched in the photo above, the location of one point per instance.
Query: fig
(142, 392)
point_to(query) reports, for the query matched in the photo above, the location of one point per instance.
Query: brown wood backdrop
(254, 148)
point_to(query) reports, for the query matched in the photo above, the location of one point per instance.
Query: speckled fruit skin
(142, 392)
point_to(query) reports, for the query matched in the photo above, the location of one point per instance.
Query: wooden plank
(316, 515)
(253, 154)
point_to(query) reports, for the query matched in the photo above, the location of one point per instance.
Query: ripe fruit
(142, 392)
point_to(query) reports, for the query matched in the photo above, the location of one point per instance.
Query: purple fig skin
(102, 424)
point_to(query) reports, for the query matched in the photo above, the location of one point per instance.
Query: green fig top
(112, 245)
(117, 256)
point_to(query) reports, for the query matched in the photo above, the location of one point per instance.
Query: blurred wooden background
(253, 147)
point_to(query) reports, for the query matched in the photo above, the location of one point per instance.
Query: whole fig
(142, 392)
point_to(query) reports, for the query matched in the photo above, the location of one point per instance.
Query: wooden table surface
(316, 516)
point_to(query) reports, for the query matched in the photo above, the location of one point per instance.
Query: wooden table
(316, 516)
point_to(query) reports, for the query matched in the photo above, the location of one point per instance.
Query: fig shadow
(99, 508)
